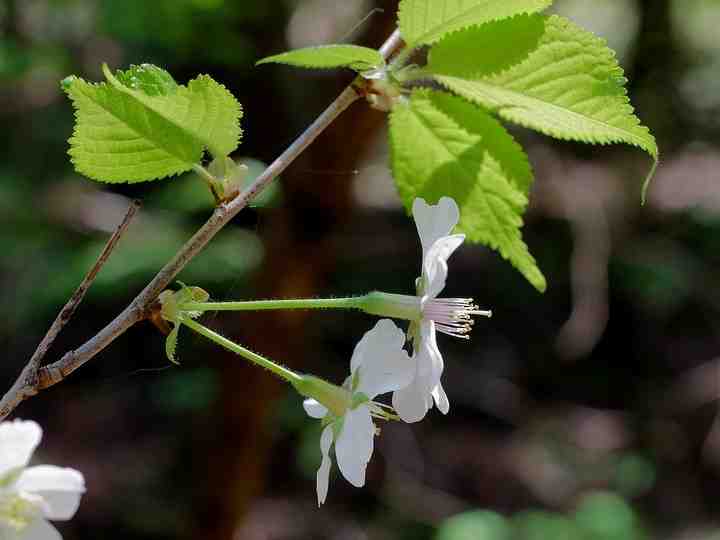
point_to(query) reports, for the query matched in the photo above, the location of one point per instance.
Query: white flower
(379, 365)
(452, 316)
(29, 496)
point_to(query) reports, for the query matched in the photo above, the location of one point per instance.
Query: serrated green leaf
(123, 134)
(443, 145)
(171, 343)
(423, 22)
(329, 56)
(150, 79)
(548, 75)
(205, 109)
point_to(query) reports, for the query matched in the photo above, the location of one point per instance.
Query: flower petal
(354, 445)
(441, 399)
(427, 354)
(18, 440)
(412, 402)
(434, 221)
(323, 473)
(314, 408)
(435, 269)
(381, 363)
(60, 489)
(39, 529)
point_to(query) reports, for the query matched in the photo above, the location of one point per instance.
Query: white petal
(314, 408)
(384, 334)
(412, 402)
(435, 269)
(39, 530)
(60, 489)
(18, 440)
(381, 363)
(51, 478)
(434, 222)
(427, 354)
(441, 399)
(323, 473)
(354, 445)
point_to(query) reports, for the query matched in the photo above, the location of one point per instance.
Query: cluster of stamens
(454, 316)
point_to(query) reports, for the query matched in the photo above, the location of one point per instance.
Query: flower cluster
(30, 496)
(380, 363)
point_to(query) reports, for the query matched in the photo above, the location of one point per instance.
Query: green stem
(209, 179)
(355, 302)
(282, 372)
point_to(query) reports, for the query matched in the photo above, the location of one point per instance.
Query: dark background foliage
(587, 412)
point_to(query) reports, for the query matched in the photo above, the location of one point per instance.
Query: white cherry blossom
(29, 496)
(379, 365)
(452, 316)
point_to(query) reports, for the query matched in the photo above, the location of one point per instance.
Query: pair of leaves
(421, 22)
(496, 57)
(141, 125)
(547, 75)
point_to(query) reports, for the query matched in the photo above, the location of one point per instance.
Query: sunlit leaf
(123, 134)
(548, 75)
(444, 146)
(329, 56)
(424, 22)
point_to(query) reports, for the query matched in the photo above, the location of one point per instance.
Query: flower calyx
(171, 311)
(335, 399)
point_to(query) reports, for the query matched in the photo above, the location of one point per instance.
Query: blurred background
(588, 412)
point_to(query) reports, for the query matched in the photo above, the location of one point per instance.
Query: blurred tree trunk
(298, 260)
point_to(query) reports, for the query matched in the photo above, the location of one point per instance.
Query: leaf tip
(648, 179)
(67, 82)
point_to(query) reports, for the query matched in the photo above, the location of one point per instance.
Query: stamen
(453, 316)
(382, 411)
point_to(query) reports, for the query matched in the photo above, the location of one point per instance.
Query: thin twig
(27, 383)
(138, 308)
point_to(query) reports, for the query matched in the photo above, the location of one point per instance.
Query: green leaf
(150, 79)
(140, 127)
(329, 56)
(171, 343)
(423, 22)
(443, 145)
(549, 75)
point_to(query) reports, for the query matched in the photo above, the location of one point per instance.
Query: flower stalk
(281, 371)
(262, 305)
(453, 316)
